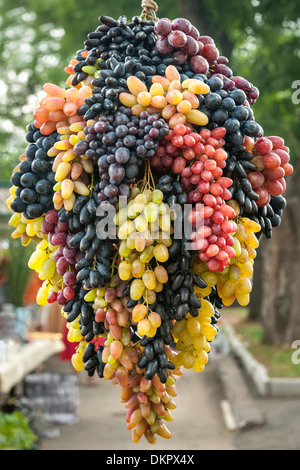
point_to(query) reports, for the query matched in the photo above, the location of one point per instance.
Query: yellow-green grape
(208, 330)
(199, 343)
(91, 295)
(210, 278)
(188, 360)
(140, 201)
(229, 288)
(161, 253)
(185, 337)
(124, 249)
(243, 299)
(241, 233)
(42, 295)
(124, 270)
(137, 268)
(139, 312)
(143, 327)
(137, 289)
(251, 225)
(141, 224)
(165, 222)
(125, 229)
(148, 194)
(157, 196)
(252, 241)
(206, 308)
(147, 254)
(246, 269)
(77, 362)
(149, 279)
(48, 269)
(243, 257)
(193, 326)
(163, 208)
(121, 216)
(149, 296)
(37, 259)
(236, 246)
(178, 328)
(151, 212)
(243, 286)
(234, 273)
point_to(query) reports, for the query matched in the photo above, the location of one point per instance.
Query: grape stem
(114, 262)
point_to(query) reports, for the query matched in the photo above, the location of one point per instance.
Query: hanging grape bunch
(151, 117)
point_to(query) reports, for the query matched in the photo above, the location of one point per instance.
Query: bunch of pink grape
(182, 146)
(271, 158)
(65, 257)
(180, 38)
(214, 226)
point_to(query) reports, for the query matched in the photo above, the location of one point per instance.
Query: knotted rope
(149, 7)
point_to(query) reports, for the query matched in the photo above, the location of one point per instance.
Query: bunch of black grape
(269, 216)
(119, 48)
(93, 267)
(238, 165)
(35, 179)
(79, 308)
(229, 109)
(177, 299)
(119, 144)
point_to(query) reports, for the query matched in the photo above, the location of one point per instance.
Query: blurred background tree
(261, 40)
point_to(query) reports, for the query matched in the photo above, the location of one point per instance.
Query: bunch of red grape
(271, 157)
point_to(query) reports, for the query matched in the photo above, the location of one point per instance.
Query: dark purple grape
(163, 46)
(182, 24)
(81, 147)
(116, 172)
(111, 190)
(191, 47)
(163, 27)
(28, 195)
(177, 39)
(122, 155)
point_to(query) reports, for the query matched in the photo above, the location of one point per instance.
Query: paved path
(197, 421)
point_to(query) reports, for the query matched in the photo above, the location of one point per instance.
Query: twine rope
(149, 7)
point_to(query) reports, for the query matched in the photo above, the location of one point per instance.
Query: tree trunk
(257, 291)
(280, 273)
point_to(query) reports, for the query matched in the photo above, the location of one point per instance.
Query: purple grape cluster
(119, 144)
(198, 54)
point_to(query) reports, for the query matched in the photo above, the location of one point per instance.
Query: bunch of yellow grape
(176, 101)
(235, 283)
(192, 336)
(144, 231)
(42, 262)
